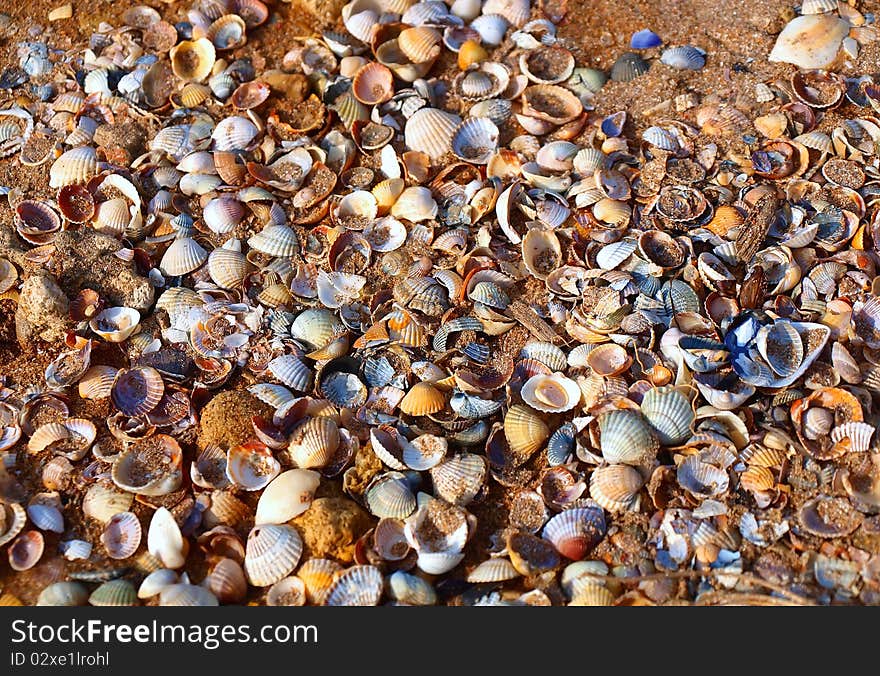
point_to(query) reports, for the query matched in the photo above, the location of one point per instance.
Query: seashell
(188, 595)
(547, 65)
(314, 442)
(389, 496)
(493, 570)
(287, 496)
(223, 214)
(193, 61)
(703, 479)
(150, 466)
(222, 85)
(430, 131)
(227, 582)
(251, 466)
(13, 521)
(810, 41)
(290, 591)
(470, 51)
(684, 58)
(373, 84)
(76, 203)
(185, 255)
(316, 328)
(626, 437)
(491, 28)
(156, 581)
(616, 487)
(541, 252)
(628, 67)
(234, 133)
(26, 550)
(525, 432)
(727, 399)
(551, 393)
(574, 532)
(489, 294)
(46, 517)
(122, 535)
(137, 391)
(63, 594)
(114, 593)
(608, 359)
(858, 433)
(356, 586)
(644, 39)
(550, 103)
(781, 346)
(227, 268)
(102, 502)
(415, 204)
(475, 140)
(422, 399)
(116, 324)
(669, 413)
(77, 165)
(318, 576)
(829, 517)
(292, 372)
(546, 353)
(275, 240)
(361, 24)
(227, 32)
(411, 590)
(420, 43)
(273, 551)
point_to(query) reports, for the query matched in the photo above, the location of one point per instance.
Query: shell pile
(430, 294)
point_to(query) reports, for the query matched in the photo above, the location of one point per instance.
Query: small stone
(331, 527)
(42, 310)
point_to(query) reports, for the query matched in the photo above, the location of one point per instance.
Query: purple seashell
(645, 39)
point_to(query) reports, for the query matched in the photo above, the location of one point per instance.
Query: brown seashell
(76, 203)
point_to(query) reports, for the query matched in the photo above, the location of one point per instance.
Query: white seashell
(287, 496)
(185, 255)
(116, 324)
(251, 466)
(415, 204)
(223, 214)
(475, 140)
(430, 131)
(810, 41)
(491, 28)
(164, 540)
(75, 550)
(156, 581)
(77, 165)
(272, 553)
(234, 133)
(46, 517)
(551, 393)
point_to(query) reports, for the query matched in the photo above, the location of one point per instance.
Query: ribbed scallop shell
(475, 140)
(858, 433)
(490, 294)
(114, 593)
(670, 414)
(46, 517)
(525, 431)
(493, 570)
(685, 57)
(291, 591)
(275, 240)
(185, 255)
(227, 32)
(318, 576)
(702, 478)
(102, 502)
(420, 43)
(422, 399)
(389, 496)
(227, 268)
(356, 586)
(291, 371)
(77, 165)
(122, 535)
(615, 487)
(137, 391)
(591, 594)
(626, 437)
(227, 582)
(14, 519)
(574, 532)
(430, 131)
(272, 553)
(410, 590)
(314, 442)
(228, 510)
(628, 67)
(251, 466)
(491, 28)
(234, 133)
(223, 214)
(459, 479)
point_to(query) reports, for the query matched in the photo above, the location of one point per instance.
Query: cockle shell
(273, 551)
(551, 393)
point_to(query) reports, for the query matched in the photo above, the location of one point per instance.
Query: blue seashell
(645, 39)
(476, 352)
(684, 58)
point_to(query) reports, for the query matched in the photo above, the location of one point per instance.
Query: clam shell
(547, 65)
(77, 165)
(702, 478)
(156, 581)
(616, 487)
(685, 57)
(227, 268)
(459, 479)
(781, 346)
(275, 240)
(415, 204)
(187, 595)
(574, 532)
(810, 41)
(102, 502)
(430, 131)
(64, 594)
(291, 591)
(475, 140)
(628, 67)
(411, 590)
(114, 593)
(223, 214)
(193, 60)
(525, 432)
(491, 28)
(227, 32)
(373, 84)
(318, 576)
(493, 570)
(287, 496)
(14, 519)
(293, 372)
(669, 413)
(251, 466)
(151, 466)
(551, 393)
(541, 251)
(226, 581)
(122, 535)
(234, 133)
(626, 437)
(272, 553)
(116, 324)
(422, 399)
(389, 496)
(314, 442)
(551, 103)
(356, 586)
(185, 255)
(420, 43)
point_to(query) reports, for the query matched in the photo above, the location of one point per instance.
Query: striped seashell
(226, 581)
(234, 133)
(685, 57)
(223, 214)
(192, 95)
(272, 553)
(459, 479)
(517, 12)
(422, 399)
(493, 570)
(626, 437)
(227, 268)
(114, 593)
(475, 140)
(102, 502)
(757, 479)
(361, 24)
(112, 217)
(373, 84)
(77, 165)
(410, 590)
(389, 496)
(491, 28)
(546, 353)
(426, 12)
(318, 576)
(669, 413)
(275, 240)
(420, 43)
(858, 433)
(489, 294)
(156, 581)
(430, 130)
(185, 255)
(591, 594)
(57, 473)
(187, 595)
(227, 32)
(227, 510)
(525, 432)
(46, 517)
(314, 442)
(291, 371)
(616, 487)
(356, 586)
(576, 531)
(628, 67)
(222, 85)
(497, 110)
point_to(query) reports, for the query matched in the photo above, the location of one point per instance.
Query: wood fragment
(526, 316)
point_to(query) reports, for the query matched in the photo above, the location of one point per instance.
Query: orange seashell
(422, 399)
